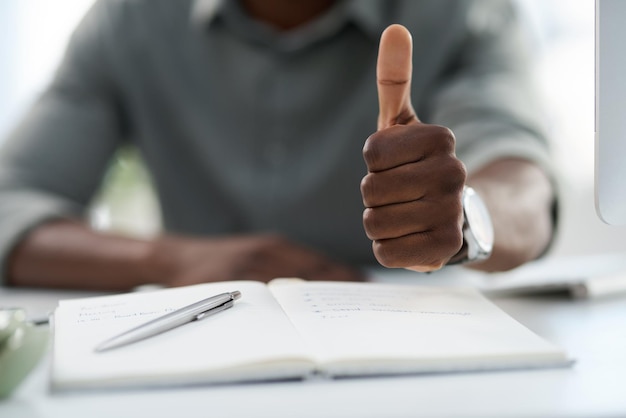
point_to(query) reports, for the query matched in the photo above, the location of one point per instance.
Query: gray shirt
(246, 129)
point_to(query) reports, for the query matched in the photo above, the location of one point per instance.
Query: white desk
(594, 332)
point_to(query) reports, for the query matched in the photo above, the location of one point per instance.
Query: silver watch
(477, 229)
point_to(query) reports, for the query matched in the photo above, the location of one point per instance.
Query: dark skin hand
(68, 254)
(412, 192)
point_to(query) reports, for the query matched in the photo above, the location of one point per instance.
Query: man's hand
(188, 261)
(412, 192)
(69, 254)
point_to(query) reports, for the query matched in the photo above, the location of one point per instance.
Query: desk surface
(593, 332)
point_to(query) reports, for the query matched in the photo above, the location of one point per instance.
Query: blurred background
(33, 34)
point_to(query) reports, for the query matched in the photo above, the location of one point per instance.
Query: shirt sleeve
(488, 96)
(53, 161)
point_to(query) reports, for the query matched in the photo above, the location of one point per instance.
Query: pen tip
(235, 295)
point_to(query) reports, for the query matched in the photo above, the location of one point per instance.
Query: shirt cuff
(21, 212)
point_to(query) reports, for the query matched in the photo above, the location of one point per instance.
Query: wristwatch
(477, 229)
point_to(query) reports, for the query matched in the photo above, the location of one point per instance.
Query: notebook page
(217, 348)
(380, 328)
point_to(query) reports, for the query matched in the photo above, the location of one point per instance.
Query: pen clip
(215, 310)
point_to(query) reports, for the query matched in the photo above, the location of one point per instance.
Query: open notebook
(291, 329)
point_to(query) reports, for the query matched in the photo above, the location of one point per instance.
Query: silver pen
(171, 320)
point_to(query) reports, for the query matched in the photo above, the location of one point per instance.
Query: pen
(171, 320)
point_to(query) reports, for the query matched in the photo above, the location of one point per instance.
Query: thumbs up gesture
(413, 189)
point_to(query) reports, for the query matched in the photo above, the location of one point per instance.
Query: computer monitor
(610, 118)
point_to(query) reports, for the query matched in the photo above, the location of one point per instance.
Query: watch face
(478, 219)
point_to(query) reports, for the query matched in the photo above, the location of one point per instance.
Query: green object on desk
(22, 344)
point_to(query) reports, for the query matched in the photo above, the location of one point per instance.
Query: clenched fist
(413, 189)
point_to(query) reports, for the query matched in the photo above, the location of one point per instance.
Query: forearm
(519, 196)
(70, 255)
(67, 254)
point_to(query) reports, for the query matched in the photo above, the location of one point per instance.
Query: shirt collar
(369, 15)
(205, 11)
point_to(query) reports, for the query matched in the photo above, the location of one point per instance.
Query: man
(254, 117)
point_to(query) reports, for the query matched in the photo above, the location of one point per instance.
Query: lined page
(248, 341)
(377, 328)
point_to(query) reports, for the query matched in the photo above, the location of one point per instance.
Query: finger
(395, 221)
(393, 77)
(411, 144)
(437, 247)
(435, 179)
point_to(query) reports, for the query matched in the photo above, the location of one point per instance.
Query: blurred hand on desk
(71, 255)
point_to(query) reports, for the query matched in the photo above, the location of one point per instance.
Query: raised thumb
(393, 78)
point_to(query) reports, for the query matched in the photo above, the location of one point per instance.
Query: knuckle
(442, 139)
(400, 252)
(450, 240)
(455, 175)
(447, 137)
(372, 224)
(460, 172)
(385, 255)
(368, 190)
(365, 186)
(372, 151)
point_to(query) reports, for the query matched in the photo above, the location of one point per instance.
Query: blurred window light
(33, 36)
